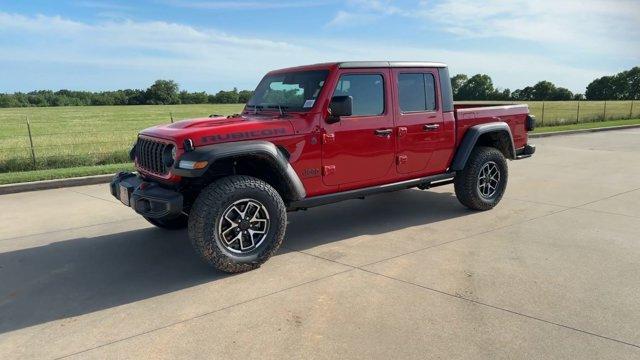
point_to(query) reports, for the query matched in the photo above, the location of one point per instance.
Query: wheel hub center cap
(244, 225)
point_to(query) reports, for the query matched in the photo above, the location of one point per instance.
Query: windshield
(295, 91)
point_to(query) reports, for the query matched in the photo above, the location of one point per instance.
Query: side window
(411, 92)
(416, 92)
(367, 91)
(430, 86)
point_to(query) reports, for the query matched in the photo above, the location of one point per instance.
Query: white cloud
(130, 53)
(363, 12)
(593, 26)
(589, 25)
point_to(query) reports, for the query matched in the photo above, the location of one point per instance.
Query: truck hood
(212, 130)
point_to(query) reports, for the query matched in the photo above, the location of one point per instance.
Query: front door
(418, 119)
(360, 148)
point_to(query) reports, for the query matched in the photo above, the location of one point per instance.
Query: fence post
(171, 116)
(542, 120)
(578, 114)
(604, 114)
(631, 111)
(33, 153)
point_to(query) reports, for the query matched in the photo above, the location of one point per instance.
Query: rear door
(419, 122)
(360, 149)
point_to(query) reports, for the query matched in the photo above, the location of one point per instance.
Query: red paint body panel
(468, 115)
(356, 145)
(348, 154)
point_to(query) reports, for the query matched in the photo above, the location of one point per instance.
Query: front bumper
(148, 199)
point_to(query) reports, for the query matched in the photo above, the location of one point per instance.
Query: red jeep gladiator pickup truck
(314, 135)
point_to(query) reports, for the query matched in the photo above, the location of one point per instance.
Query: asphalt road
(552, 272)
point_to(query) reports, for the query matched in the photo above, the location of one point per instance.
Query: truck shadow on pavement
(79, 276)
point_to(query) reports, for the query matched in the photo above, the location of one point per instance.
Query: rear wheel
(237, 223)
(482, 182)
(177, 223)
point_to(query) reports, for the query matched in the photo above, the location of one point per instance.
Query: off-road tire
(177, 223)
(207, 212)
(466, 181)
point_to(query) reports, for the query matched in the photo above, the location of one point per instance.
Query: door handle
(383, 132)
(431, 127)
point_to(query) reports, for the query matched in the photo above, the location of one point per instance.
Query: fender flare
(471, 138)
(257, 148)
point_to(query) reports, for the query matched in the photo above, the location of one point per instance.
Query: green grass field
(589, 125)
(90, 140)
(555, 113)
(81, 136)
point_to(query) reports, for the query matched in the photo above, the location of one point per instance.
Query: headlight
(132, 152)
(169, 155)
(192, 165)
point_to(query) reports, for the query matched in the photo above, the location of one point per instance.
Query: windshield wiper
(255, 108)
(279, 107)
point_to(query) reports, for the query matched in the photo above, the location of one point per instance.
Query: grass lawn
(570, 112)
(50, 174)
(84, 135)
(590, 125)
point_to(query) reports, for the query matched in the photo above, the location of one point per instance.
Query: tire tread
(465, 181)
(210, 200)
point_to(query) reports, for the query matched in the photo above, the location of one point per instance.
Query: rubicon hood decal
(243, 135)
(207, 131)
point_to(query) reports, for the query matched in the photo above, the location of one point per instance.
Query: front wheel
(237, 223)
(482, 182)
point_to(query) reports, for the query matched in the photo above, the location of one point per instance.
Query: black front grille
(149, 156)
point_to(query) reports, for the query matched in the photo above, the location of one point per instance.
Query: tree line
(622, 86)
(162, 92)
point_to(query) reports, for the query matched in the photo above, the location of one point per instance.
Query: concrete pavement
(552, 272)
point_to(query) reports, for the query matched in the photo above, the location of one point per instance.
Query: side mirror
(340, 106)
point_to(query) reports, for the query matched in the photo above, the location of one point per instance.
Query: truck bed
(470, 114)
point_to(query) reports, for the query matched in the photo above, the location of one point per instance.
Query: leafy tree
(503, 95)
(543, 90)
(633, 84)
(624, 85)
(227, 97)
(600, 89)
(163, 92)
(456, 83)
(244, 96)
(193, 98)
(135, 97)
(478, 87)
(7, 100)
(562, 94)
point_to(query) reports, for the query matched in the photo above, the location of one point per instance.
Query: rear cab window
(416, 92)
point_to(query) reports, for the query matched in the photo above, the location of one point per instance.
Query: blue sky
(213, 45)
